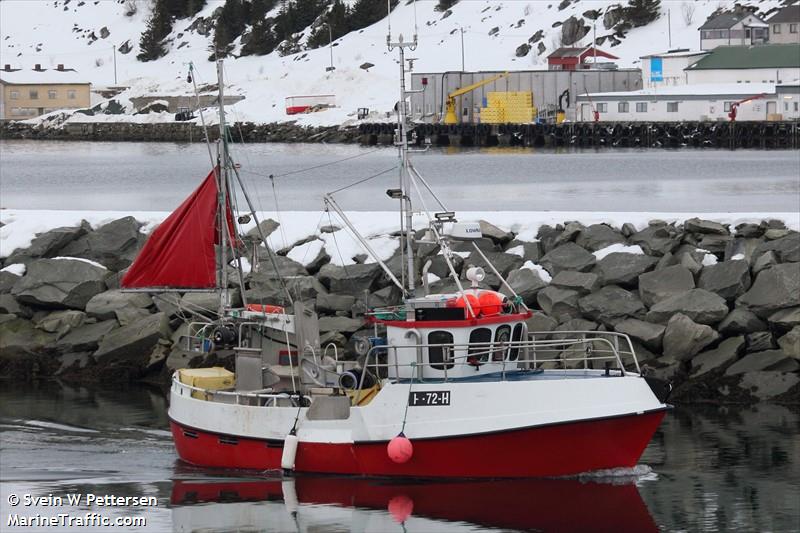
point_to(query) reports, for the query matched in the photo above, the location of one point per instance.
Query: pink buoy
(401, 507)
(400, 449)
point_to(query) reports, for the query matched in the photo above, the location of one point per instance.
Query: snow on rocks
(691, 324)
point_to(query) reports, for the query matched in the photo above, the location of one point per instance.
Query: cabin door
(586, 113)
(772, 108)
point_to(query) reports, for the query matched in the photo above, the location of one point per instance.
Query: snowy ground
(22, 225)
(50, 33)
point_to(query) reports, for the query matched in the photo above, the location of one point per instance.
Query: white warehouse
(703, 102)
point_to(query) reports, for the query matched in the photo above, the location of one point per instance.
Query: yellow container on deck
(214, 378)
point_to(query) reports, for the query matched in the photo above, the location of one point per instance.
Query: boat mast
(401, 141)
(222, 202)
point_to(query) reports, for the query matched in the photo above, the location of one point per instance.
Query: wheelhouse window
(502, 336)
(479, 354)
(440, 357)
(513, 353)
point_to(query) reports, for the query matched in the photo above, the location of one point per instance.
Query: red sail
(180, 251)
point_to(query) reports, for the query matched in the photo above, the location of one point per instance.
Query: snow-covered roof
(678, 53)
(757, 24)
(41, 77)
(700, 89)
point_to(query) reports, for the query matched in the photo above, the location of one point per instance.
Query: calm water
(157, 176)
(705, 470)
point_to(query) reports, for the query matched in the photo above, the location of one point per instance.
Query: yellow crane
(450, 116)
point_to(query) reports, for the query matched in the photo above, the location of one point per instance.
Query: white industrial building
(767, 63)
(668, 68)
(703, 102)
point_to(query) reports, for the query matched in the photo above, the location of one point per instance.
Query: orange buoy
(491, 303)
(474, 303)
(400, 449)
(401, 507)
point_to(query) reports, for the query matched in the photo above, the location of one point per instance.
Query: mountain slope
(82, 34)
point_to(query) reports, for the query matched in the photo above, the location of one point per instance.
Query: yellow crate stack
(508, 107)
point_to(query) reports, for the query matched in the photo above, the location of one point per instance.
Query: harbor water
(157, 176)
(706, 469)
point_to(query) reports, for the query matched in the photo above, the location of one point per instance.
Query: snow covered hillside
(81, 34)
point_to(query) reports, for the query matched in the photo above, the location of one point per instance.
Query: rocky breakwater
(714, 309)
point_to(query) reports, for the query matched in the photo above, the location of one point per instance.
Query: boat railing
(263, 398)
(571, 349)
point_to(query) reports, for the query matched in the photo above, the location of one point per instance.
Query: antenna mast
(401, 141)
(222, 200)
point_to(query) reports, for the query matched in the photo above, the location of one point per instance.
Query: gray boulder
(496, 234)
(598, 236)
(285, 265)
(104, 305)
(667, 260)
(7, 281)
(134, 341)
(741, 320)
(726, 353)
(716, 244)
(353, 279)
(759, 341)
(790, 343)
(684, 338)
(547, 236)
(698, 304)
(649, 334)
(60, 283)
(49, 243)
(623, 269)
(610, 305)
(785, 318)
(628, 230)
(766, 385)
(503, 262)
(696, 225)
(268, 290)
(656, 240)
(340, 324)
(749, 230)
(583, 282)
(19, 336)
(526, 283)
(439, 265)
(113, 245)
(691, 264)
(764, 261)
(61, 322)
(267, 228)
(787, 249)
(775, 288)
(540, 323)
(180, 358)
(129, 315)
(767, 360)
(385, 297)
(334, 303)
(10, 305)
(661, 284)
(205, 303)
(86, 337)
(561, 304)
(729, 279)
(570, 233)
(568, 256)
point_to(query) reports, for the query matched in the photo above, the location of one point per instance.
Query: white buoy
(289, 452)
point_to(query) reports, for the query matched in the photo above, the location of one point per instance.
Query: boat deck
(520, 375)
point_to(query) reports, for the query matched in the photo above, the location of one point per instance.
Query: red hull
(555, 450)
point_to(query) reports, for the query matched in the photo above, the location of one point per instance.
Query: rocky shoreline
(714, 309)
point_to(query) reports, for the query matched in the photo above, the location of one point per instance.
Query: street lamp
(330, 45)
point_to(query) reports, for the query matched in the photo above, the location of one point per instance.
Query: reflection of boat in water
(311, 503)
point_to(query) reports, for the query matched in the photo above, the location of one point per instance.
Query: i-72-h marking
(428, 398)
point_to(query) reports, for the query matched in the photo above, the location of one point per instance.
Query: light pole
(461, 29)
(330, 45)
(115, 64)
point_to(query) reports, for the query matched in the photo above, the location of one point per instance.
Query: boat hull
(552, 450)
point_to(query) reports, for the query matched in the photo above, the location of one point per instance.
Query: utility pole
(594, 41)
(330, 45)
(669, 27)
(115, 64)
(462, 49)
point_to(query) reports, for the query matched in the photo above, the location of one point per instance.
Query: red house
(575, 58)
